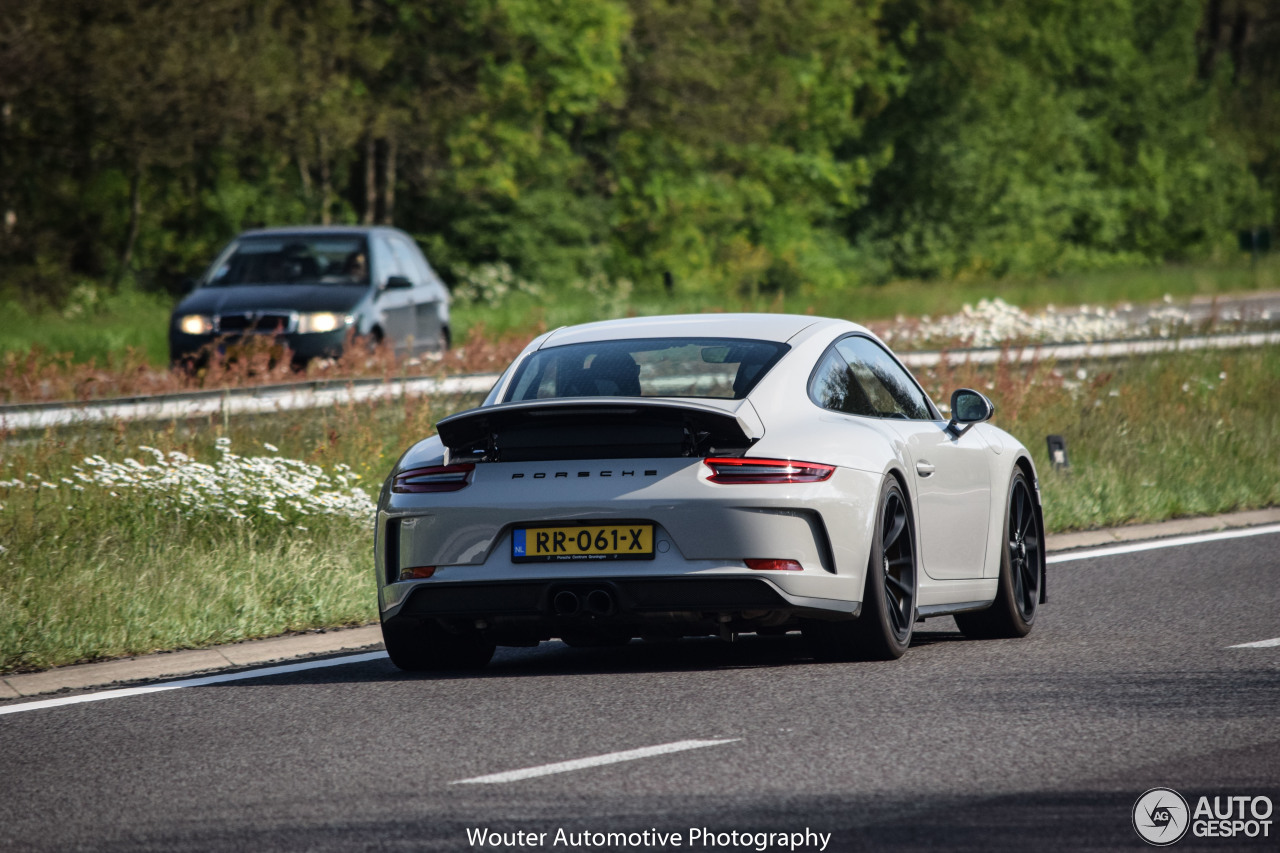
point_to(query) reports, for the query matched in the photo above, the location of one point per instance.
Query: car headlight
(323, 321)
(195, 324)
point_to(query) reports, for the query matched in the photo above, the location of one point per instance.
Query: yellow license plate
(582, 542)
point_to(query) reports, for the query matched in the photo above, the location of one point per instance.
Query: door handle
(924, 469)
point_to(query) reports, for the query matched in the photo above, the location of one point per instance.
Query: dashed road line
(1260, 644)
(593, 761)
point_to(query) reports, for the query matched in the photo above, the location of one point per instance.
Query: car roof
(761, 327)
(290, 230)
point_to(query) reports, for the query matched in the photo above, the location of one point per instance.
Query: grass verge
(93, 327)
(109, 570)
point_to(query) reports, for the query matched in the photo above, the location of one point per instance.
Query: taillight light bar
(748, 470)
(774, 565)
(434, 478)
(417, 573)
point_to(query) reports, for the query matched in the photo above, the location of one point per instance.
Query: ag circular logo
(1161, 816)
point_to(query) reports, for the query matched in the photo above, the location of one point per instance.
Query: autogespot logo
(1160, 816)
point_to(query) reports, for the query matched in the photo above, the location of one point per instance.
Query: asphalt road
(1127, 683)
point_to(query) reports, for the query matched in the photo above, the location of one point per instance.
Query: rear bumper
(630, 596)
(537, 609)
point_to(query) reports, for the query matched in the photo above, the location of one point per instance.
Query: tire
(1021, 565)
(417, 647)
(368, 344)
(883, 630)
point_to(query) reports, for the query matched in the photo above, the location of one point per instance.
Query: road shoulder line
(1057, 542)
(335, 641)
(183, 663)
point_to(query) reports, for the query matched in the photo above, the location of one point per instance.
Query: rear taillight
(417, 573)
(436, 478)
(746, 470)
(774, 565)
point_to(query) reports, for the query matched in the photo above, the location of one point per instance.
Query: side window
(835, 387)
(409, 268)
(384, 262)
(426, 275)
(537, 379)
(890, 389)
(432, 277)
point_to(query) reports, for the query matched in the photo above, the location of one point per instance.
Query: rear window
(726, 368)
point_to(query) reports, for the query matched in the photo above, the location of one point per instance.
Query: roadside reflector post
(1255, 241)
(1058, 453)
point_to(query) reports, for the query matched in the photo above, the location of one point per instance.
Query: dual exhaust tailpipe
(595, 602)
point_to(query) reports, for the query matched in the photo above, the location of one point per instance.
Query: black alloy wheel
(1018, 593)
(884, 628)
(1024, 550)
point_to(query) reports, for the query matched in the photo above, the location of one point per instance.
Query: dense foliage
(764, 146)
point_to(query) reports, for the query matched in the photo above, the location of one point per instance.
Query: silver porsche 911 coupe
(665, 477)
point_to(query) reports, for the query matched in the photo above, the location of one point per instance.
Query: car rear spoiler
(600, 428)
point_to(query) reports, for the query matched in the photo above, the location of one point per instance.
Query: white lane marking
(1171, 542)
(1261, 644)
(1084, 554)
(189, 682)
(593, 761)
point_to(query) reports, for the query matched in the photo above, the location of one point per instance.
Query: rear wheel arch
(912, 509)
(884, 628)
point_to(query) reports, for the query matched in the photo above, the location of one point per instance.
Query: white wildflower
(239, 487)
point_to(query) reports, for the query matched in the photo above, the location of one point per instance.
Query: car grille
(261, 322)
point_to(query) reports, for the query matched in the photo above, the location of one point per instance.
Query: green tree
(734, 153)
(1048, 136)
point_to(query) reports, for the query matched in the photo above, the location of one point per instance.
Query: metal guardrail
(310, 395)
(265, 399)
(1090, 351)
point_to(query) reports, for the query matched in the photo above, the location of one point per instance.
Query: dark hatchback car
(313, 289)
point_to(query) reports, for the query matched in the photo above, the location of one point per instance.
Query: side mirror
(968, 407)
(398, 282)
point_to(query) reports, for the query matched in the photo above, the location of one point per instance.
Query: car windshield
(727, 368)
(294, 258)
